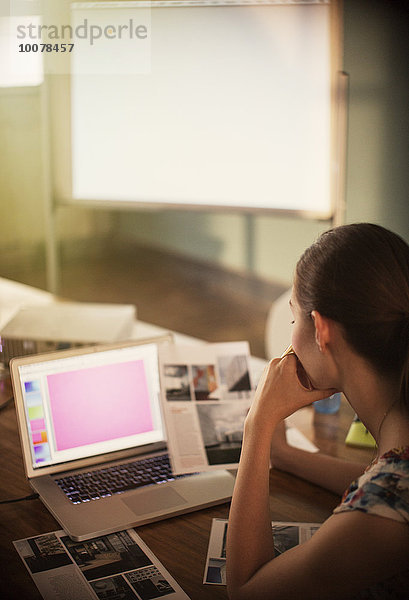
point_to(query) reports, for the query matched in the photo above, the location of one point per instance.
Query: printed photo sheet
(118, 565)
(286, 535)
(206, 393)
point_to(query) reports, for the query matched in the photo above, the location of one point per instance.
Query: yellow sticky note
(358, 435)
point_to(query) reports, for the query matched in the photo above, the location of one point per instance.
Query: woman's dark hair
(358, 275)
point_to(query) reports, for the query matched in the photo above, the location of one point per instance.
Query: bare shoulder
(382, 543)
(355, 550)
(351, 551)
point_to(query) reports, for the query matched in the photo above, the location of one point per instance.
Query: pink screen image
(99, 404)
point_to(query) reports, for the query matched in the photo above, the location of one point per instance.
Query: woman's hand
(280, 393)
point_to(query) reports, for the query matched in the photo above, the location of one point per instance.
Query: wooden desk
(180, 543)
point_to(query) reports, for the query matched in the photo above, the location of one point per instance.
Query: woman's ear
(322, 330)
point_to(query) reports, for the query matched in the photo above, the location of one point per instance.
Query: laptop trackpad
(154, 500)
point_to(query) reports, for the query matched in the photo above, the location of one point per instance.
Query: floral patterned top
(383, 490)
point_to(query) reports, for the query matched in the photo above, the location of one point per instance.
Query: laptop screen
(89, 404)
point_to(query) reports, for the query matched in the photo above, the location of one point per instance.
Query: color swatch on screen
(32, 387)
(99, 404)
(35, 412)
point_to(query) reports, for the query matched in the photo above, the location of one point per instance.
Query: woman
(350, 304)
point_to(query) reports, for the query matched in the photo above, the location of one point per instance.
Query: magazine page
(206, 393)
(117, 565)
(286, 536)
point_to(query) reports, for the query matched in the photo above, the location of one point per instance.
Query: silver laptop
(94, 443)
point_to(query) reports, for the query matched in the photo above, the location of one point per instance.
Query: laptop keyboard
(100, 483)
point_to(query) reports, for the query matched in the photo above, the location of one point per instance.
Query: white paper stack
(72, 322)
(36, 329)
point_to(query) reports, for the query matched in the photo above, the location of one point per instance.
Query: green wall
(377, 58)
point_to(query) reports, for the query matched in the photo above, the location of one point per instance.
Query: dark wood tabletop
(180, 543)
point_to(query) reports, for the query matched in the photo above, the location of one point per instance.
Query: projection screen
(229, 107)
